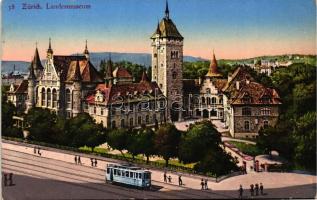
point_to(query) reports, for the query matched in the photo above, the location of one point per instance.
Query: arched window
(265, 123)
(203, 100)
(68, 99)
(54, 98)
(174, 75)
(208, 100)
(122, 123)
(139, 120)
(213, 100)
(49, 97)
(246, 111)
(113, 124)
(246, 125)
(43, 96)
(213, 113)
(131, 122)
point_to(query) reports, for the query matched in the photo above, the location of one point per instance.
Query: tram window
(139, 175)
(114, 171)
(119, 172)
(134, 175)
(127, 174)
(122, 173)
(131, 174)
(108, 170)
(146, 176)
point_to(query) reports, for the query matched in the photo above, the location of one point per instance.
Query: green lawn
(96, 150)
(249, 149)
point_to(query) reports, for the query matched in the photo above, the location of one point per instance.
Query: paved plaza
(54, 175)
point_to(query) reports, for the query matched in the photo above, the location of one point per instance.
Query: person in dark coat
(256, 189)
(75, 159)
(261, 188)
(240, 192)
(169, 179)
(180, 182)
(95, 162)
(165, 177)
(252, 189)
(202, 184)
(79, 161)
(206, 184)
(92, 161)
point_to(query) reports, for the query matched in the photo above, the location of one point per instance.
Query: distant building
(248, 105)
(17, 95)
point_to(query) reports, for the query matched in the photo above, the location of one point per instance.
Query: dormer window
(265, 99)
(246, 98)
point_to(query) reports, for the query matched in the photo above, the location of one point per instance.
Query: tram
(128, 175)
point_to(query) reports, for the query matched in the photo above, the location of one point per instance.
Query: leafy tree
(216, 162)
(133, 143)
(167, 142)
(41, 122)
(198, 141)
(8, 110)
(146, 142)
(118, 139)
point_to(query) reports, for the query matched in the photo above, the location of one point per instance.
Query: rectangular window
(140, 175)
(119, 172)
(131, 174)
(127, 174)
(114, 171)
(108, 170)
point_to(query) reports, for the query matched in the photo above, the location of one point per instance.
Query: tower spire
(86, 52)
(167, 12)
(49, 50)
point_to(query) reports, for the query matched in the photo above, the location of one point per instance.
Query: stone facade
(167, 64)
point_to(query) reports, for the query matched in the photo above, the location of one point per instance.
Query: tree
(216, 162)
(8, 110)
(118, 139)
(41, 122)
(133, 143)
(167, 141)
(198, 141)
(83, 131)
(146, 142)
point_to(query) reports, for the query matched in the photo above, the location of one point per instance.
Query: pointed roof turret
(49, 50)
(31, 72)
(145, 78)
(213, 68)
(77, 76)
(158, 31)
(36, 61)
(109, 67)
(86, 49)
(167, 12)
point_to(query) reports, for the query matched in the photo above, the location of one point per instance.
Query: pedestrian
(261, 188)
(202, 184)
(38, 151)
(206, 184)
(240, 192)
(180, 182)
(92, 161)
(252, 189)
(10, 179)
(95, 162)
(169, 179)
(256, 189)
(5, 179)
(79, 161)
(34, 150)
(165, 177)
(75, 159)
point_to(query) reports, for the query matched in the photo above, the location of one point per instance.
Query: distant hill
(96, 57)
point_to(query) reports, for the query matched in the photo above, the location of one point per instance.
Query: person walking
(5, 179)
(34, 150)
(10, 179)
(261, 188)
(165, 177)
(202, 184)
(92, 161)
(38, 151)
(206, 184)
(180, 182)
(75, 158)
(79, 161)
(240, 192)
(256, 189)
(169, 179)
(252, 189)
(95, 162)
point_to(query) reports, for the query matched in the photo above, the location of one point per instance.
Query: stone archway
(205, 113)
(213, 113)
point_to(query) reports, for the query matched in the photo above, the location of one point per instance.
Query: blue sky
(234, 28)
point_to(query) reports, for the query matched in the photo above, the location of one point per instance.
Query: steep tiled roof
(249, 91)
(22, 87)
(220, 83)
(213, 68)
(131, 91)
(66, 65)
(167, 29)
(121, 72)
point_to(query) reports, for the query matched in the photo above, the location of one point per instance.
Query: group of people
(36, 150)
(169, 178)
(253, 189)
(77, 160)
(8, 177)
(204, 184)
(93, 162)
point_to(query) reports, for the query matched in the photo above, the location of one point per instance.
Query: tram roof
(126, 167)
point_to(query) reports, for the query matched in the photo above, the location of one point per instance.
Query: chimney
(229, 77)
(238, 85)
